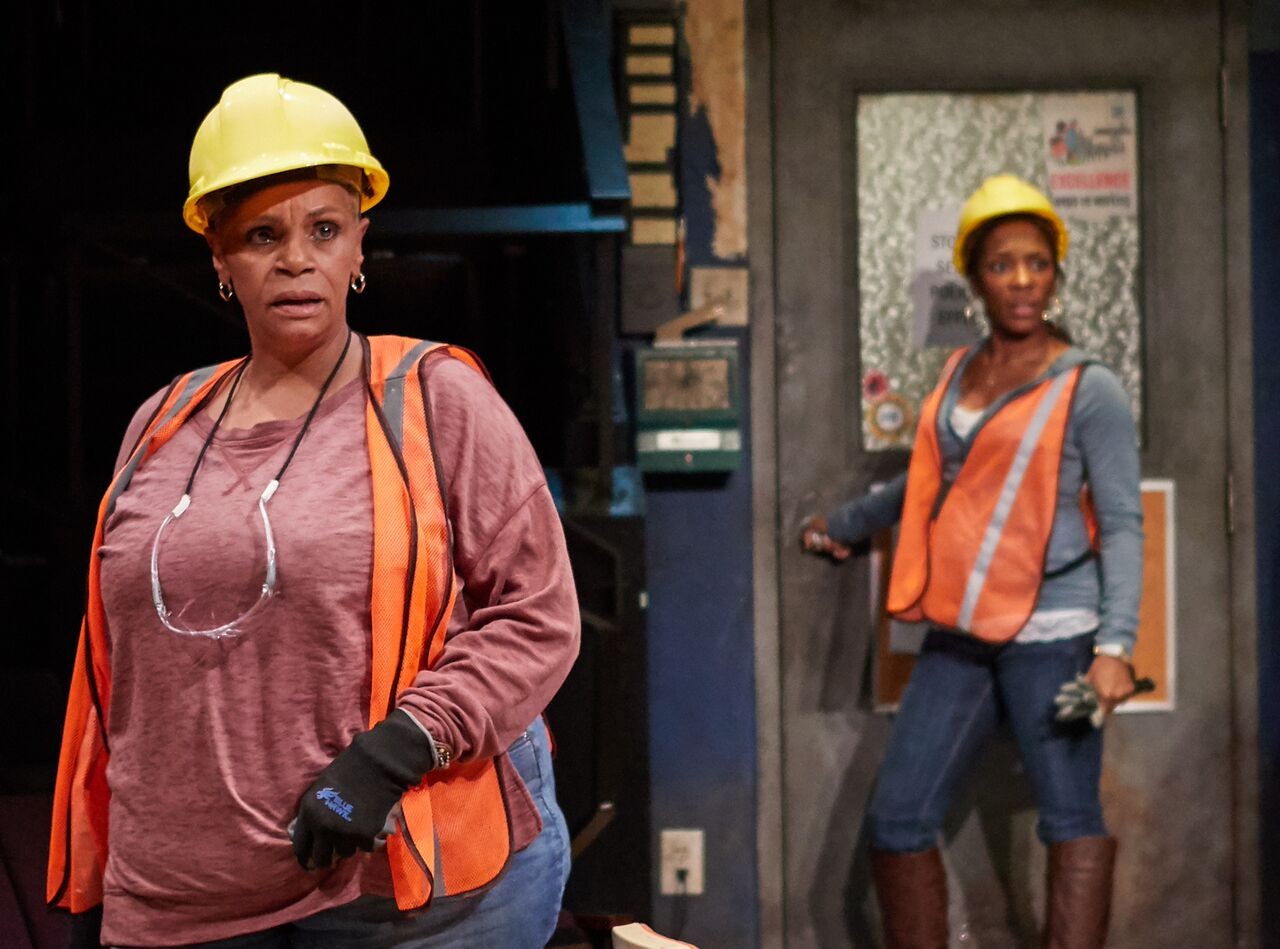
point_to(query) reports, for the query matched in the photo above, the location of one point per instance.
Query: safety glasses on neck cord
(235, 626)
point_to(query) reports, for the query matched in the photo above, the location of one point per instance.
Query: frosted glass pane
(919, 156)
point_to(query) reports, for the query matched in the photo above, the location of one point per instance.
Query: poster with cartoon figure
(1091, 154)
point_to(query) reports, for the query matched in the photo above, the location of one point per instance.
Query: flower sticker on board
(874, 385)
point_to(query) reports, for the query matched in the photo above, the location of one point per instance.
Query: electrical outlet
(682, 849)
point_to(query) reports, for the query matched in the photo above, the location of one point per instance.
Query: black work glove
(346, 808)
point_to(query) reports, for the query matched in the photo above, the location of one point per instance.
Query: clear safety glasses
(235, 626)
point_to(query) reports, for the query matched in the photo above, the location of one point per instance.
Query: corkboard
(652, 136)
(715, 33)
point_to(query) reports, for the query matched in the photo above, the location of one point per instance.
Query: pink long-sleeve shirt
(213, 741)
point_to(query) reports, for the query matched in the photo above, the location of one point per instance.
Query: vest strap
(1008, 492)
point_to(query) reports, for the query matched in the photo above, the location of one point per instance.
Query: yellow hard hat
(997, 196)
(266, 124)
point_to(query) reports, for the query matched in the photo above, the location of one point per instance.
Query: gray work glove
(1079, 699)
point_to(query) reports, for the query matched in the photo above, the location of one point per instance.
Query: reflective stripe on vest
(971, 554)
(459, 815)
(1008, 491)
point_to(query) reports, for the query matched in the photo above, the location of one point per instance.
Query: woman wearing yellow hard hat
(1020, 544)
(328, 601)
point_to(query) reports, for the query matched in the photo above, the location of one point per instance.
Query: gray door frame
(798, 54)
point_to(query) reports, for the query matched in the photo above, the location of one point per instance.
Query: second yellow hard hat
(265, 125)
(997, 196)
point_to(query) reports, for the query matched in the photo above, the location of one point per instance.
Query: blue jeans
(960, 691)
(519, 911)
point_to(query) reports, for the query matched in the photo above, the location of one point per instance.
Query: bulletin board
(1155, 654)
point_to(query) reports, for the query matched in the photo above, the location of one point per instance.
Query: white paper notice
(689, 439)
(1091, 153)
(938, 293)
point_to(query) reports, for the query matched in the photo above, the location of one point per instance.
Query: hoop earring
(226, 291)
(969, 314)
(358, 283)
(1054, 313)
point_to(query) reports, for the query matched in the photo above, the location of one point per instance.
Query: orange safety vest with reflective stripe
(455, 832)
(971, 554)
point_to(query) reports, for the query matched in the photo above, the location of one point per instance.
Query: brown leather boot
(912, 889)
(1079, 897)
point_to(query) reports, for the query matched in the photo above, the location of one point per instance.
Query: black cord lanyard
(235, 383)
(269, 581)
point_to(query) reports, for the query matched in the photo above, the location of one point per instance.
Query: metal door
(1179, 785)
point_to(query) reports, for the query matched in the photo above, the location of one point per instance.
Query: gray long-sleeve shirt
(1100, 450)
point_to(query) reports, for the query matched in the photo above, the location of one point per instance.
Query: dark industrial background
(498, 123)
(504, 230)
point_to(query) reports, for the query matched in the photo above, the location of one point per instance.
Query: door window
(919, 156)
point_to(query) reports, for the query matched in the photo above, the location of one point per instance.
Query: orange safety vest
(455, 832)
(971, 554)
